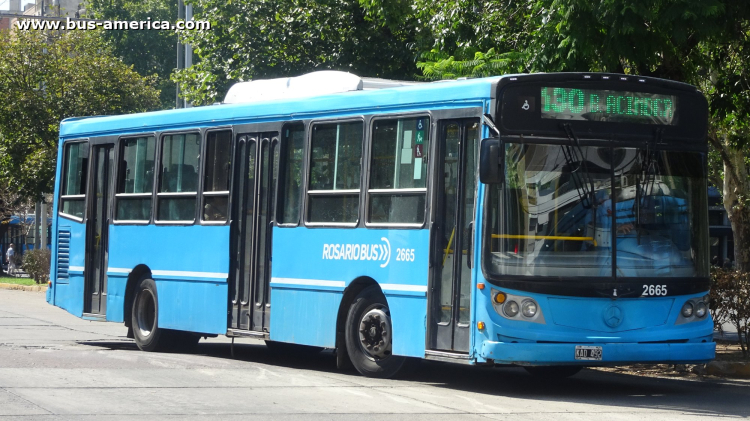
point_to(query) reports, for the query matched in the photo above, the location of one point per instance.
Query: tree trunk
(736, 202)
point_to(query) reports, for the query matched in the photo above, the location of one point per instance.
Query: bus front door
(97, 231)
(252, 209)
(450, 295)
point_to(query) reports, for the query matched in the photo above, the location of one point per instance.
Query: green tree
(46, 78)
(726, 81)
(148, 51)
(702, 42)
(252, 39)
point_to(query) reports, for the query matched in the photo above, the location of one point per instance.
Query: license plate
(589, 353)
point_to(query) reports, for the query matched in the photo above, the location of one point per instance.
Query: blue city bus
(550, 221)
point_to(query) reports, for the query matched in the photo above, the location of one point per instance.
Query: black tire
(370, 353)
(554, 371)
(144, 317)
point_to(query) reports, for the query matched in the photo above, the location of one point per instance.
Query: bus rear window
(73, 197)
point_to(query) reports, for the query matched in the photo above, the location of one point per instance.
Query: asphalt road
(54, 366)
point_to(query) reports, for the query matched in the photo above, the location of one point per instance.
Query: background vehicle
(353, 220)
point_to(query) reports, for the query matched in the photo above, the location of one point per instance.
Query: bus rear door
(256, 160)
(97, 230)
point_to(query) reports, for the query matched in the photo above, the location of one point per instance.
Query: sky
(4, 4)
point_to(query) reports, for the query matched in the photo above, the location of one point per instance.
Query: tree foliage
(253, 39)
(702, 42)
(150, 52)
(47, 78)
(652, 38)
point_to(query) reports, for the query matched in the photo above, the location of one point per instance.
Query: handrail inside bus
(544, 237)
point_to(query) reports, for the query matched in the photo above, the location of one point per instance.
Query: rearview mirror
(491, 159)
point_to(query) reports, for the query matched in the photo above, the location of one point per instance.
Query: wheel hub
(375, 333)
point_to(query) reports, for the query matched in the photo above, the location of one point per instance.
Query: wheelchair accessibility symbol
(525, 105)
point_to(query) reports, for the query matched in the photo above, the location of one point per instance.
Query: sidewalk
(729, 333)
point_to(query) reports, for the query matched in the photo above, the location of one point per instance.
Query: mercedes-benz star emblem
(613, 316)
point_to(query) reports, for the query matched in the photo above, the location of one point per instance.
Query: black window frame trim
(202, 172)
(432, 137)
(586, 286)
(158, 174)
(118, 153)
(84, 196)
(281, 179)
(308, 167)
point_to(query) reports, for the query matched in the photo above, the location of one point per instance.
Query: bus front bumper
(611, 353)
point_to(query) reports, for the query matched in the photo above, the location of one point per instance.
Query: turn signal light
(500, 297)
(480, 325)
(480, 285)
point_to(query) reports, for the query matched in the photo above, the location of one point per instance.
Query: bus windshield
(594, 211)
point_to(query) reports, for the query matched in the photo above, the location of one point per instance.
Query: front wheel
(369, 336)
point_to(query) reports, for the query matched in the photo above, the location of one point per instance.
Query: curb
(34, 288)
(737, 369)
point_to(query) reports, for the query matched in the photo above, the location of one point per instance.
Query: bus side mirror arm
(491, 159)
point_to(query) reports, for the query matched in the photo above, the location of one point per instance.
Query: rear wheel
(554, 372)
(144, 317)
(369, 336)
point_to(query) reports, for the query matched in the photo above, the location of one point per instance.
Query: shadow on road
(698, 397)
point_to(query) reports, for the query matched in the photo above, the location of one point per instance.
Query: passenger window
(335, 168)
(292, 150)
(398, 168)
(178, 186)
(73, 197)
(216, 179)
(135, 182)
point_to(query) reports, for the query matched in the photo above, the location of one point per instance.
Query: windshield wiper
(573, 154)
(646, 188)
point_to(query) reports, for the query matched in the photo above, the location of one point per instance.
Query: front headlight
(511, 309)
(701, 310)
(528, 308)
(687, 309)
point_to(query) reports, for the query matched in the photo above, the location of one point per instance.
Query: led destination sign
(608, 106)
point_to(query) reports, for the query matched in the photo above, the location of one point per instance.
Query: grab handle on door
(469, 252)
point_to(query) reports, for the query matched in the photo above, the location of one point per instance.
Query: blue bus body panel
(313, 266)
(189, 264)
(424, 96)
(68, 293)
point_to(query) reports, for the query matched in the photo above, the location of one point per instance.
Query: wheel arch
(350, 293)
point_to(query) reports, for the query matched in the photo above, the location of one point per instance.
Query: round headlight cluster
(701, 310)
(687, 309)
(528, 308)
(697, 308)
(511, 308)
